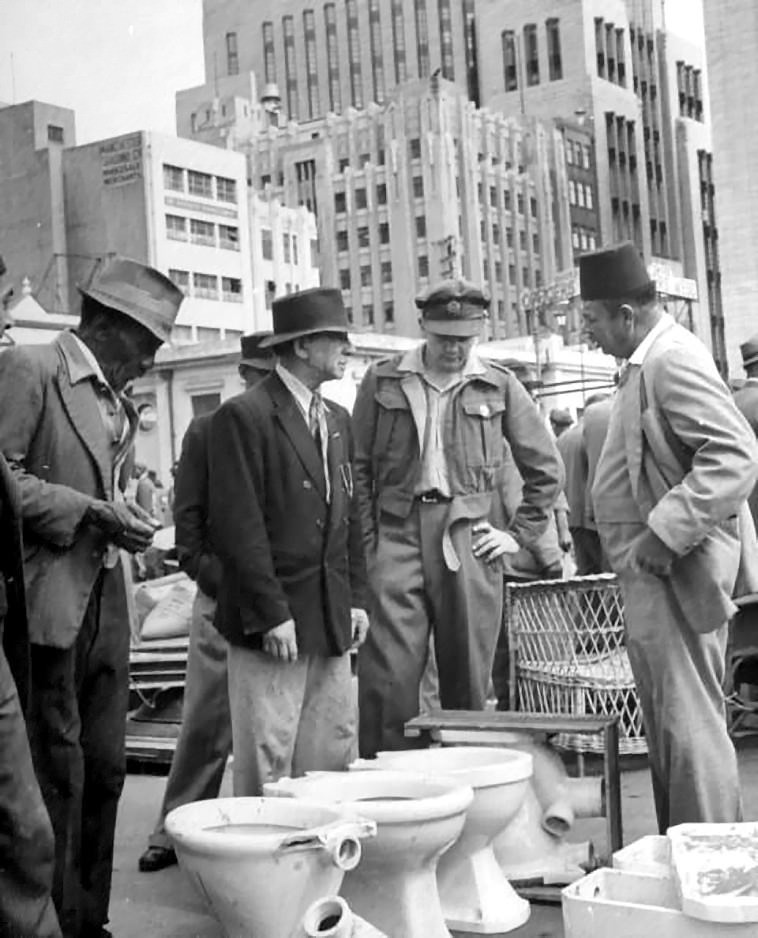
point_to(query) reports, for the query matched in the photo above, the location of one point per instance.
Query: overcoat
(13, 622)
(286, 552)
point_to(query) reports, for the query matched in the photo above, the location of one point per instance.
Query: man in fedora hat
(66, 429)
(678, 462)
(205, 737)
(431, 427)
(285, 526)
(746, 398)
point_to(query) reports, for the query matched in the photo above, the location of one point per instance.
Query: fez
(305, 313)
(453, 307)
(137, 291)
(613, 273)
(749, 351)
(252, 354)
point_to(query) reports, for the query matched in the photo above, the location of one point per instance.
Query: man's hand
(121, 525)
(359, 619)
(565, 540)
(651, 555)
(493, 543)
(139, 512)
(281, 642)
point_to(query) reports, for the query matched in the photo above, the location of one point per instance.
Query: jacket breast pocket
(393, 422)
(482, 431)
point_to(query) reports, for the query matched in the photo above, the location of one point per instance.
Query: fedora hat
(251, 352)
(453, 307)
(613, 273)
(319, 309)
(142, 293)
(749, 351)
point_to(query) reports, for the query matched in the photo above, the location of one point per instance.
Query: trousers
(205, 737)
(289, 718)
(77, 725)
(414, 593)
(27, 849)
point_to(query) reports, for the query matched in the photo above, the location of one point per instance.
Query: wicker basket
(567, 655)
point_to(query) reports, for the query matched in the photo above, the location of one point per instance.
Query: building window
(229, 237)
(620, 58)
(342, 240)
(354, 54)
(200, 184)
(343, 164)
(202, 232)
(422, 38)
(314, 252)
(180, 278)
(232, 58)
(531, 54)
(294, 249)
(418, 187)
(533, 207)
(510, 60)
(535, 243)
(493, 196)
(290, 66)
(226, 189)
(554, 62)
(345, 278)
(340, 202)
(269, 55)
(423, 266)
(420, 226)
(267, 244)
(384, 232)
(286, 246)
(588, 198)
(389, 311)
(600, 46)
(231, 289)
(572, 191)
(381, 193)
(507, 200)
(54, 133)
(398, 42)
(496, 234)
(377, 59)
(386, 271)
(469, 32)
(173, 178)
(368, 314)
(415, 147)
(176, 227)
(363, 237)
(446, 39)
(311, 70)
(332, 58)
(522, 240)
(520, 203)
(205, 286)
(366, 275)
(360, 198)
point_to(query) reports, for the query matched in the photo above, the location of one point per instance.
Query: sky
(118, 63)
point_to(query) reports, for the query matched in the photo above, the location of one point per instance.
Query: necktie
(319, 432)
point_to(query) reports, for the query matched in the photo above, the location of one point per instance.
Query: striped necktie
(320, 433)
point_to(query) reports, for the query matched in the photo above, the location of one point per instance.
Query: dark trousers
(77, 724)
(26, 837)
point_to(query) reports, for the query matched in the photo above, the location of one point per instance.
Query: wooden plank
(507, 719)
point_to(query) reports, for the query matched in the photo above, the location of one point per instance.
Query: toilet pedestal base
(476, 897)
(404, 903)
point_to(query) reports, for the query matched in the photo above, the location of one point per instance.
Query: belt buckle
(430, 498)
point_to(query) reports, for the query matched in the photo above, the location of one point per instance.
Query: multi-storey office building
(425, 186)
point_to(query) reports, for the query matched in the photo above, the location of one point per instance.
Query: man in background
(205, 737)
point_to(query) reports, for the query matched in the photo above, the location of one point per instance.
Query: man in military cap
(205, 738)
(678, 462)
(429, 427)
(66, 430)
(285, 525)
(746, 398)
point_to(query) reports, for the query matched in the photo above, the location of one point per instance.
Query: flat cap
(613, 273)
(454, 307)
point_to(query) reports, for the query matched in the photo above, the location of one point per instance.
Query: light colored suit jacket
(693, 461)
(53, 437)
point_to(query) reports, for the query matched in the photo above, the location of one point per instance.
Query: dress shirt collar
(413, 361)
(640, 353)
(297, 389)
(90, 367)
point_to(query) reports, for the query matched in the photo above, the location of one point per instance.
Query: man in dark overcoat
(285, 525)
(66, 429)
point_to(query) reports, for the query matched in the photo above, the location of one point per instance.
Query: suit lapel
(294, 426)
(629, 404)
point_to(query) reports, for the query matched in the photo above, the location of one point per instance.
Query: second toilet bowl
(417, 819)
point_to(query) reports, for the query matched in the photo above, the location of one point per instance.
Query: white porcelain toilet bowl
(476, 896)
(417, 819)
(259, 862)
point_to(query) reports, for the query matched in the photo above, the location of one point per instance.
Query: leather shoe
(156, 858)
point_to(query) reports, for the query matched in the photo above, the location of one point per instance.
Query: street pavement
(164, 905)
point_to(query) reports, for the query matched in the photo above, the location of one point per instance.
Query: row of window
(289, 246)
(206, 286)
(521, 59)
(611, 57)
(580, 193)
(363, 236)
(367, 313)
(385, 274)
(690, 87)
(497, 270)
(578, 154)
(205, 185)
(583, 239)
(509, 240)
(204, 232)
(507, 200)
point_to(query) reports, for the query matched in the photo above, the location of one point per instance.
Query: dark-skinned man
(66, 429)
(678, 462)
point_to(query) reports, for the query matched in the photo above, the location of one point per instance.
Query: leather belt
(432, 497)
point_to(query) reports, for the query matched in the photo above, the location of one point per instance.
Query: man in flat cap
(285, 525)
(678, 462)
(746, 398)
(429, 427)
(66, 430)
(205, 738)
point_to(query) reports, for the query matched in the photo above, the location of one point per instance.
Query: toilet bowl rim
(516, 767)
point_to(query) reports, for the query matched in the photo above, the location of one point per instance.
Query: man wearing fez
(678, 462)
(746, 398)
(285, 526)
(205, 737)
(429, 427)
(66, 429)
